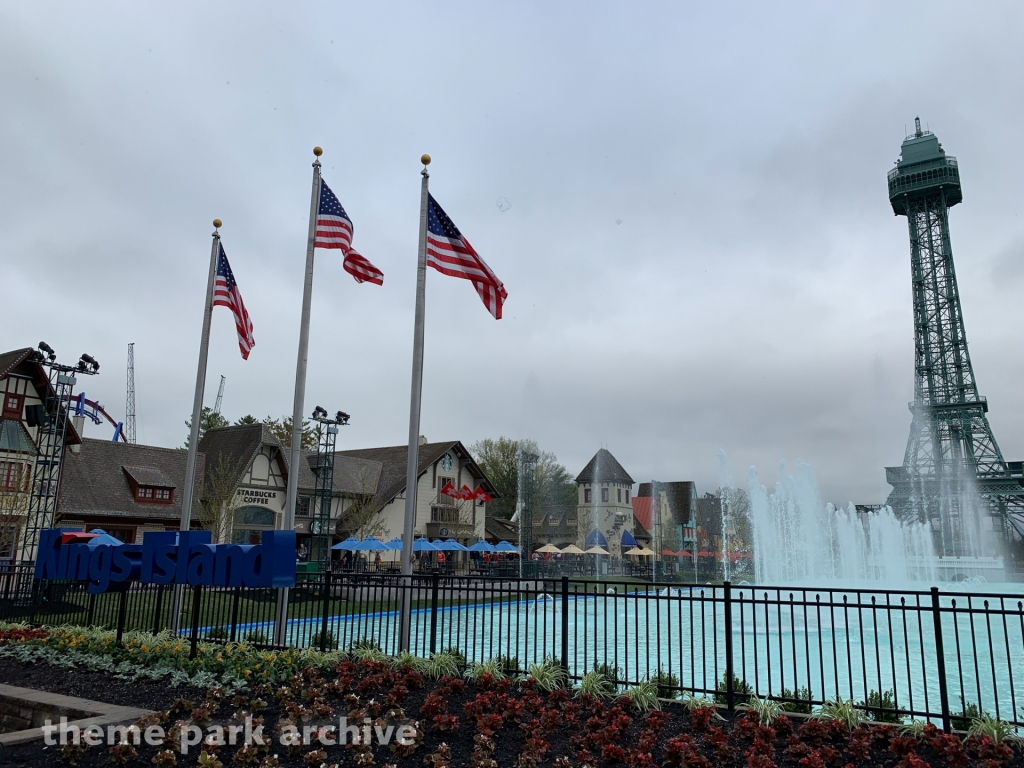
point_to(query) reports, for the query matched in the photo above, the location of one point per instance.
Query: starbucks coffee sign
(259, 497)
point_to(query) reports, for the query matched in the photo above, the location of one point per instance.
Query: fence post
(947, 724)
(157, 608)
(90, 614)
(122, 612)
(327, 610)
(730, 702)
(565, 624)
(235, 599)
(435, 583)
(197, 591)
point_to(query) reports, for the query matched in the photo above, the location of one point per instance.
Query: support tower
(952, 455)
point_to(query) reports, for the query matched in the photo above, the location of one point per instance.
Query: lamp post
(323, 489)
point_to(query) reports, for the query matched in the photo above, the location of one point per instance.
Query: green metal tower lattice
(951, 444)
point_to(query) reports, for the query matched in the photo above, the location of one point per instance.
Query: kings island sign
(167, 557)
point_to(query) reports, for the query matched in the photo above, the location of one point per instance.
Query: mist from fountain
(800, 539)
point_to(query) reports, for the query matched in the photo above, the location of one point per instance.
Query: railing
(921, 654)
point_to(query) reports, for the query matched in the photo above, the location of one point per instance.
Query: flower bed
(427, 713)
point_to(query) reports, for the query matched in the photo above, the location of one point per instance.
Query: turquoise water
(833, 645)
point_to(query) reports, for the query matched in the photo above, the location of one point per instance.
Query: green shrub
(510, 664)
(217, 633)
(741, 691)
(331, 643)
(668, 685)
(802, 695)
(596, 683)
(962, 720)
(885, 700)
(455, 652)
(256, 636)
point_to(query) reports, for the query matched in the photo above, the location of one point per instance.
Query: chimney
(423, 440)
(79, 422)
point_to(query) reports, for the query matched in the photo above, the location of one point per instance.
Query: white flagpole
(197, 412)
(295, 454)
(412, 469)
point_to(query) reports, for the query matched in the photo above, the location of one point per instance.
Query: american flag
(226, 294)
(451, 254)
(334, 230)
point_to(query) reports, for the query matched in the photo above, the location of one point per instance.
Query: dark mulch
(532, 728)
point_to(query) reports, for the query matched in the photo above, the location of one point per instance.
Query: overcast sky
(697, 242)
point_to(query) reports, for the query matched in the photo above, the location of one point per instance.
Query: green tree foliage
(282, 430)
(208, 420)
(247, 419)
(499, 459)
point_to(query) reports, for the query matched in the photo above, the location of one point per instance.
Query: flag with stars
(334, 230)
(451, 254)
(226, 294)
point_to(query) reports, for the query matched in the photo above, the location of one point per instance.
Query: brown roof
(604, 468)
(681, 496)
(502, 530)
(394, 461)
(95, 480)
(11, 360)
(149, 476)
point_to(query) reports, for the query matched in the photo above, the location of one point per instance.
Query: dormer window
(149, 494)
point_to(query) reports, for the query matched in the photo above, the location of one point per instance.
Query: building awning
(596, 539)
(628, 540)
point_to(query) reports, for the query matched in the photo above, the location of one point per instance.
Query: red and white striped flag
(226, 294)
(451, 254)
(334, 230)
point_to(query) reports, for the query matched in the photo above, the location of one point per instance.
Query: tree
(219, 502)
(282, 430)
(499, 459)
(209, 419)
(247, 419)
(13, 510)
(363, 517)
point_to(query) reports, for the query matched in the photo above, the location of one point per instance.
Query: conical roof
(604, 468)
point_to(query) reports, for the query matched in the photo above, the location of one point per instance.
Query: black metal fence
(924, 654)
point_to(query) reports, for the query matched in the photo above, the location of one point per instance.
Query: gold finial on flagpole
(217, 223)
(317, 151)
(425, 159)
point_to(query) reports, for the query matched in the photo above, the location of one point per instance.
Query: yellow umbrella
(572, 549)
(549, 549)
(646, 552)
(634, 551)
(596, 550)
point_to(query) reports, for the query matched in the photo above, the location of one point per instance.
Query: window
(604, 495)
(586, 495)
(147, 493)
(620, 495)
(13, 476)
(302, 506)
(12, 406)
(627, 495)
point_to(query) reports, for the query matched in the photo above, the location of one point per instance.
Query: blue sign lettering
(169, 557)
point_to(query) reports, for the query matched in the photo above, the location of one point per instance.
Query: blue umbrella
(504, 546)
(102, 537)
(395, 543)
(482, 546)
(422, 545)
(449, 545)
(350, 543)
(371, 544)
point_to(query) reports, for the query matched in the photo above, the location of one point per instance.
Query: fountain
(800, 539)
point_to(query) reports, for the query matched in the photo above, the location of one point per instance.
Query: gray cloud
(754, 297)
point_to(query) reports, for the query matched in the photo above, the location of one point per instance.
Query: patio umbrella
(646, 552)
(634, 551)
(422, 545)
(572, 549)
(683, 553)
(456, 547)
(596, 550)
(482, 546)
(395, 543)
(668, 552)
(371, 544)
(447, 545)
(102, 537)
(549, 549)
(350, 543)
(505, 546)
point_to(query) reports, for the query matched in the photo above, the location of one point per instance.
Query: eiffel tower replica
(952, 462)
